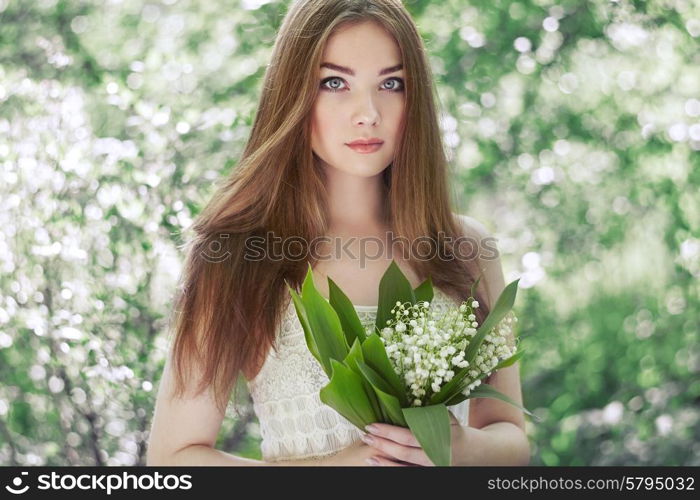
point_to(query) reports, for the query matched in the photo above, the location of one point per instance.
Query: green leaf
(431, 427)
(301, 314)
(424, 291)
(474, 287)
(354, 356)
(393, 287)
(456, 399)
(376, 357)
(503, 305)
(509, 361)
(390, 403)
(352, 360)
(324, 325)
(487, 391)
(345, 393)
(350, 322)
(451, 388)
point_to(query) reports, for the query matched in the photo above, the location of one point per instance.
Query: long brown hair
(228, 306)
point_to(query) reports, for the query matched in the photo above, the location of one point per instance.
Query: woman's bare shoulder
(471, 226)
(489, 255)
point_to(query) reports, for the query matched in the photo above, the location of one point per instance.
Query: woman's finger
(395, 433)
(398, 452)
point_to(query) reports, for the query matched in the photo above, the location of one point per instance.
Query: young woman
(343, 72)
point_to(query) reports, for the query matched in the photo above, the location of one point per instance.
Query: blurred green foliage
(573, 131)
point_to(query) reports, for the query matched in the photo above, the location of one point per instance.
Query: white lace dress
(294, 423)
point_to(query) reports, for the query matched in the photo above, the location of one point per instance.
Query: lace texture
(294, 422)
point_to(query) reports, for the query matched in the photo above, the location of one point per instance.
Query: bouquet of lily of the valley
(414, 363)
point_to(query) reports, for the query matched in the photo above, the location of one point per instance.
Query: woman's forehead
(371, 51)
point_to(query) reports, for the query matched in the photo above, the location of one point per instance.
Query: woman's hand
(353, 455)
(397, 446)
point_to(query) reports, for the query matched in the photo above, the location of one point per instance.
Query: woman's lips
(365, 148)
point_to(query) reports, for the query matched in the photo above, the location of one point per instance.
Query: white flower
(426, 346)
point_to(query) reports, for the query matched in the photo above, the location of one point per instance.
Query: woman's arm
(184, 431)
(198, 454)
(496, 434)
(500, 443)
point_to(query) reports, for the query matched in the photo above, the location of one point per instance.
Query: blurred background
(573, 131)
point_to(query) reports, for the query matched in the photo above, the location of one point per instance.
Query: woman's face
(365, 105)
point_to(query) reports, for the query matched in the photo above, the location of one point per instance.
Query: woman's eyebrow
(348, 71)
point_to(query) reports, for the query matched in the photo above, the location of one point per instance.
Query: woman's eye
(397, 87)
(331, 79)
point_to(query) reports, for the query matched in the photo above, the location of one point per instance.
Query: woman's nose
(366, 112)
